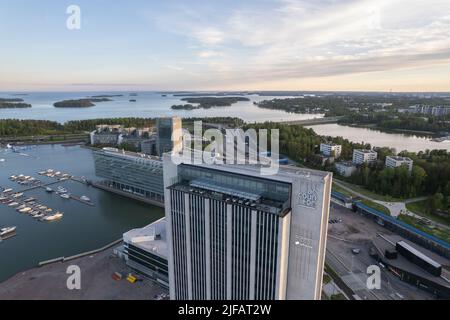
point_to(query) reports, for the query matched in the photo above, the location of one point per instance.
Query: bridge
(312, 122)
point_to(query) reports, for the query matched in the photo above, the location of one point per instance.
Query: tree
(435, 202)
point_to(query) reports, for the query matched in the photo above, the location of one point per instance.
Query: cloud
(175, 68)
(210, 54)
(209, 36)
(298, 38)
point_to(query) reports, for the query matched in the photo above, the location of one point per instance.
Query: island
(11, 100)
(208, 102)
(107, 96)
(13, 103)
(185, 107)
(80, 103)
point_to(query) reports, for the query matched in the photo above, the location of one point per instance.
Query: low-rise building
(345, 168)
(106, 135)
(396, 161)
(331, 149)
(361, 156)
(145, 250)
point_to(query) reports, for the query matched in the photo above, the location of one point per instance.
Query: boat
(42, 173)
(29, 199)
(53, 217)
(49, 210)
(48, 189)
(84, 198)
(25, 210)
(7, 230)
(38, 216)
(17, 195)
(13, 178)
(62, 189)
(13, 204)
(2, 160)
(7, 190)
(65, 196)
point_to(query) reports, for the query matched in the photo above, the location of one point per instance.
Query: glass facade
(132, 173)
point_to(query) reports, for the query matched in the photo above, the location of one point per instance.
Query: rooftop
(348, 164)
(398, 158)
(388, 243)
(129, 154)
(151, 238)
(233, 196)
(364, 151)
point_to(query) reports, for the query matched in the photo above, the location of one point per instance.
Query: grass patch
(338, 296)
(437, 232)
(376, 206)
(368, 193)
(343, 191)
(420, 208)
(326, 279)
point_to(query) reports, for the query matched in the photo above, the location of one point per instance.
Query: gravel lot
(49, 282)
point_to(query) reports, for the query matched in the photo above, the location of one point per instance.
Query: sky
(365, 45)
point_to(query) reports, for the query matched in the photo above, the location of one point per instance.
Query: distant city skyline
(303, 45)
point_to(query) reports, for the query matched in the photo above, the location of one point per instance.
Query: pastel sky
(376, 45)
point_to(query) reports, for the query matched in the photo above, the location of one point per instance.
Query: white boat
(25, 210)
(7, 190)
(65, 196)
(49, 210)
(2, 160)
(48, 189)
(7, 230)
(13, 204)
(54, 217)
(17, 195)
(84, 198)
(38, 216)
(13, 178)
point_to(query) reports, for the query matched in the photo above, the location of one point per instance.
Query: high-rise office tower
(166, 142)
(234, 234)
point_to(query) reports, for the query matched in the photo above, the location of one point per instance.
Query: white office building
(345, 168)
(145, 250)
(361, 156)
(395, 162)
(234, 234)
(331, 149)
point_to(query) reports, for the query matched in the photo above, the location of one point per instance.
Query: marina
(78, 229)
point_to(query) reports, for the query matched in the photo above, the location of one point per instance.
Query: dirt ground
(49, 282)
